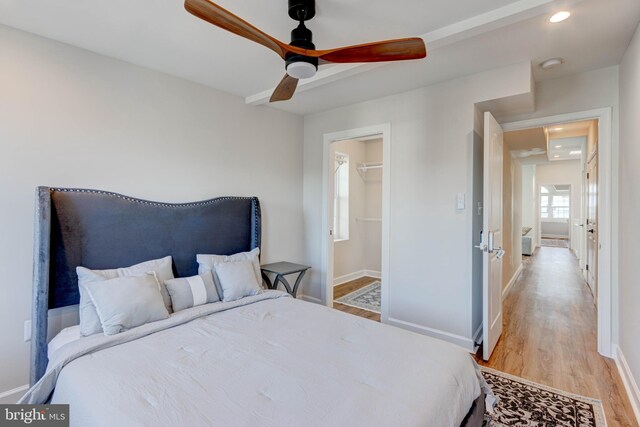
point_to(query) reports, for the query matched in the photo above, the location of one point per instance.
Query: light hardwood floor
(549, 334)
(346, 288)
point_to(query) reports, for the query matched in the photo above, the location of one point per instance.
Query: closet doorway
(357, 225)
(356, 218)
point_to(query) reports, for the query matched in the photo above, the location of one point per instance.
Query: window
(554, 207)
(341, 198)
(544, 209)
(560, 207)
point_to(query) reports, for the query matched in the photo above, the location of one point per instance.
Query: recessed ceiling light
(558, 129)
(556, 156)
(558, 146)
(551, 63)
(575, 152)
(559, 17)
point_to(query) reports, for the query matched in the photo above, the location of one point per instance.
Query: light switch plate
(460, 201)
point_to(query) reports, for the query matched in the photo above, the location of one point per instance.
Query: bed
(266, 359)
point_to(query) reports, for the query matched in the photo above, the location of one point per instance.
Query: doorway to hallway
(598, 147)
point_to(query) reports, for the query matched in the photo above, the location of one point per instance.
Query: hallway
(549, 334)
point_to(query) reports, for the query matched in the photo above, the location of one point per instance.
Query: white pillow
(208, 263)
(237, 280)
(127, 302)
(89, 320)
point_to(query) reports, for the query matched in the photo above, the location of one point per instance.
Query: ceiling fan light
(301, 70)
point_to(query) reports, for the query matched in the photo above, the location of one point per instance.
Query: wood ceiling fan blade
(389, 50)
(285, 90)
(218, 16)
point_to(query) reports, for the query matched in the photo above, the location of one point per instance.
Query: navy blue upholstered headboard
(100, 230)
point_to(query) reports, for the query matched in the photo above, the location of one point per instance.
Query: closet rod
(363, 167)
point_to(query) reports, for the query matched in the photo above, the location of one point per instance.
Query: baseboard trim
(356, 275)
(310, 299)
(373, 273)
(630, 384)
(13, 395)
(512, 282)
(466, 343)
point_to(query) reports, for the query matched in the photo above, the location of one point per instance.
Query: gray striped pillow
(187, 292)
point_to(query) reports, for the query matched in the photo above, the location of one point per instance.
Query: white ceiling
(566, 138)
(463, 37)
(562, 148)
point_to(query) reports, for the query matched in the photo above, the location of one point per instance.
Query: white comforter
(270, 361)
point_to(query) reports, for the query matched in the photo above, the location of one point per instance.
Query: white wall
(516, 247)
(72, 118)
(630, 210)
(511, 216)
(529, 218)
(578, 92)
(431, 160)
(373, 209)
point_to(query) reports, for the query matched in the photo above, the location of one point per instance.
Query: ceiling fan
(301, 58)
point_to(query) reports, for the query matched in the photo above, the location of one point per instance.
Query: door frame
(326, 272)
(608, 203)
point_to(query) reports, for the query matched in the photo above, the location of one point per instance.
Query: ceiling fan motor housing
(301, 66)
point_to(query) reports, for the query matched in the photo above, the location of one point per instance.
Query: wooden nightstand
(281, 269)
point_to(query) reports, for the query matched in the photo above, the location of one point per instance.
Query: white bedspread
(272, 362)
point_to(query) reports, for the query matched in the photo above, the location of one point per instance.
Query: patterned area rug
(555, 243)
(525, 403)
(367, 298)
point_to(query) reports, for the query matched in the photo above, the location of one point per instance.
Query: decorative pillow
(126, 302)
(189, 292)
(89, 320)
(237, 280)
(209, 262)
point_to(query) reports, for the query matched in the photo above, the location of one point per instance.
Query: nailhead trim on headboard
(152, 203)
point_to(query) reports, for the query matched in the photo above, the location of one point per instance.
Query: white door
(492, 236)
(592, 227)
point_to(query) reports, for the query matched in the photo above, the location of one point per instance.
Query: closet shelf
(369, 219)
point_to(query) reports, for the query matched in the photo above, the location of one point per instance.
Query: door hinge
(587, 267)
(587, 175)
